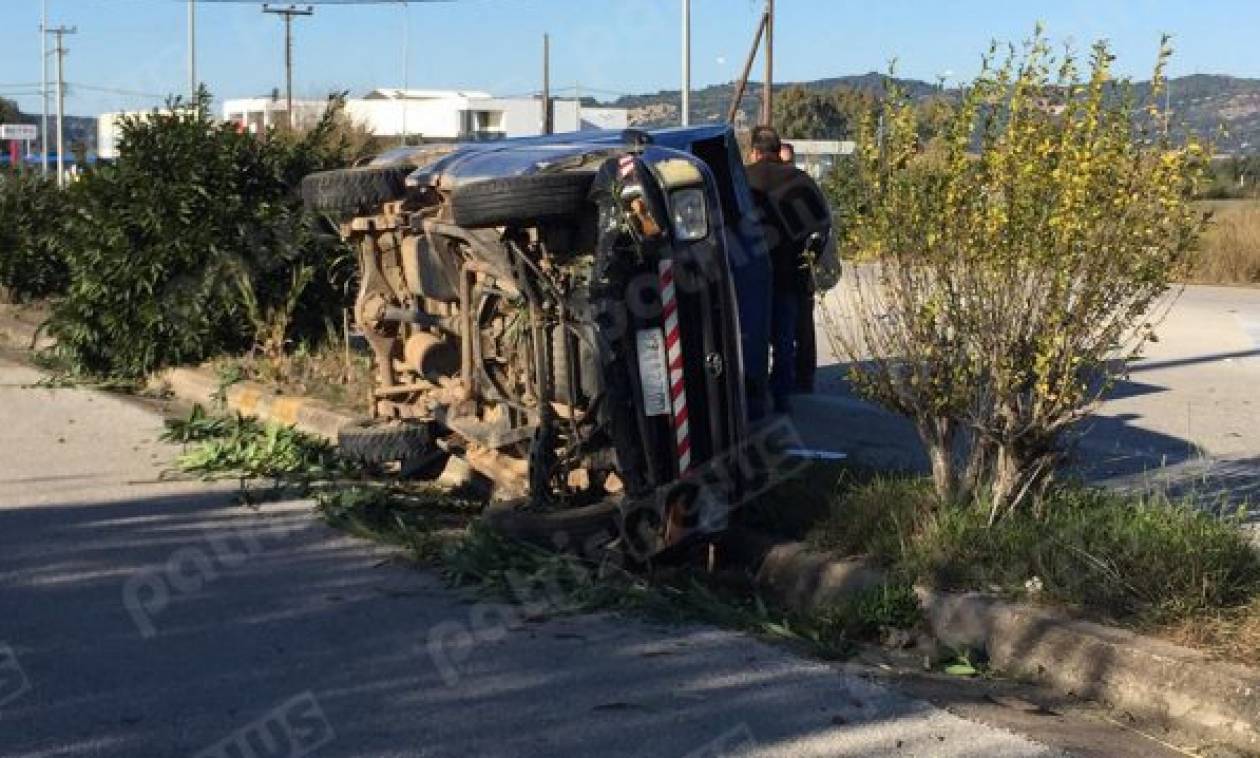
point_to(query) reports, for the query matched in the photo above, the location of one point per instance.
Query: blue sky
(606, 46)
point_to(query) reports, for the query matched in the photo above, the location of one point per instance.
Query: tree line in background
(807, 113)
(191, 244)
(9, 113)
(802, 113)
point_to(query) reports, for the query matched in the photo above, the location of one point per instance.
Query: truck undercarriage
(571, 331)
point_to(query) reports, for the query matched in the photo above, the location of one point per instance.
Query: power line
(326, 2)
(35, 90)
(117, 91)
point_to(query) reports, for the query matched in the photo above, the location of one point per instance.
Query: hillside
(1203, 103)
(712, 103)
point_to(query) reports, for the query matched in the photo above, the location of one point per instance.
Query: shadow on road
(313, 613)
(1112, 450)
(1141, 366)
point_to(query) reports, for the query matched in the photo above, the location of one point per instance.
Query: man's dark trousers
(806, 347)
(783, 328)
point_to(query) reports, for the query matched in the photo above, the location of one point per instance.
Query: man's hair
(766, 140)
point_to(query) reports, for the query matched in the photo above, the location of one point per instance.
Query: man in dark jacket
(792, 208)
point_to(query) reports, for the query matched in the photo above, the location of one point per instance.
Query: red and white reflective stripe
(626, 166)
(674, 358)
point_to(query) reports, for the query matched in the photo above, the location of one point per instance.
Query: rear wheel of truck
(376, 444)
(521, 199)
(349, 191)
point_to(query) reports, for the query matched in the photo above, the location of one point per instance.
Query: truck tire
(520, 199)
(349, 191)
(375, 443)
(570, 529)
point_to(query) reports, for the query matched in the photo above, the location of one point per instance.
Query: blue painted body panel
(715, 145)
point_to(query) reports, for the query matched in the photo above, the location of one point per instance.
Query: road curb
(201, 385)
(1157, 682)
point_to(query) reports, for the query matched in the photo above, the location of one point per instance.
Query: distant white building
(817, 157)
(258, 114)
(109, 130)
(107, 135)
(434, 115)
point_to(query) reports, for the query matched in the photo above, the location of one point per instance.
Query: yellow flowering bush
(1019, 260)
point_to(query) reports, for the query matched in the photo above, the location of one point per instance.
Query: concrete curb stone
(201, 385)
(1152, 680)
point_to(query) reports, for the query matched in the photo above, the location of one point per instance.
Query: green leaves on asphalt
(243, 448)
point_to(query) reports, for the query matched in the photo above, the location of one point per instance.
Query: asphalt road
(1186, 422)
(142, 617)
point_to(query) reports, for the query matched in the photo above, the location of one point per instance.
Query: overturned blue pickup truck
(581, 317)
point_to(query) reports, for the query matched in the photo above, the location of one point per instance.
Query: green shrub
(1023, 258)
(167, 246)
(31, 265)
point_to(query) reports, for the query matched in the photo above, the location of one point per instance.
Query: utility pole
(287, 14)
(686, 63)
(43, 90)
(742, 84)
(192, 50)
(767, 96)
(546, 92)
(406, 70)
(60, 52)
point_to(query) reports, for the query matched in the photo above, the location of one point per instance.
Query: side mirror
(816, 242)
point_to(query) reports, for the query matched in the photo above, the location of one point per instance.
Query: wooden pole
(742, 84)
(767, 90)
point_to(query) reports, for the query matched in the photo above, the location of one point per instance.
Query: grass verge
(442, 529)
(1146, 562)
